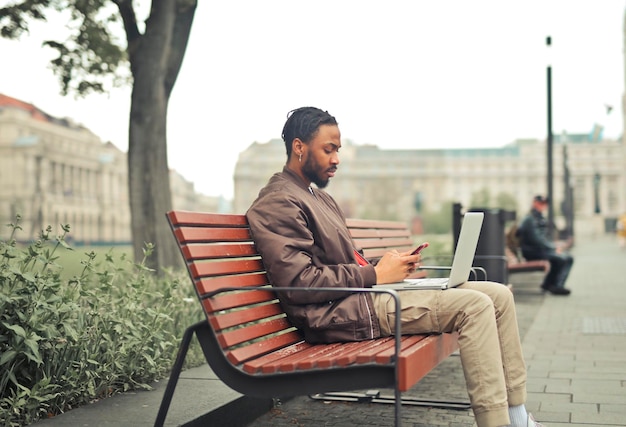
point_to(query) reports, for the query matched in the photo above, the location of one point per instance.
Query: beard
(314, 172)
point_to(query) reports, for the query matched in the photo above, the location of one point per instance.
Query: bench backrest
(376, 237)
(512, 246)
(219, 253)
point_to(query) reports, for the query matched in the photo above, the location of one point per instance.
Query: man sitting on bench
(301, 233)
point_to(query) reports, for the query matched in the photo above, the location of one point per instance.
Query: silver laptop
(461, 264)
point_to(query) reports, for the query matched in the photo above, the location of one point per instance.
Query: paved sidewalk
(575, 348)
(200, 399)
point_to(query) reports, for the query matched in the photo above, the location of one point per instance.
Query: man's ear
(296, 147)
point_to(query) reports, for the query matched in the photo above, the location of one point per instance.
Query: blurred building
(185, 197)
(405, 184)
(54, 171)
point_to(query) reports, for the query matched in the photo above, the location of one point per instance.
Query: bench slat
(307, 357)
(233, 318)
(324, 356)
(248, 333)
(360, 233)
(256, 349)
(354, 223)
(255, 365)
(204, 219)
(210, 284)
(387, 243)
(233, 300)
(212, 234)
(198, 252)
(351, 355)
(407, 341)
(218, 268)
(385, 347)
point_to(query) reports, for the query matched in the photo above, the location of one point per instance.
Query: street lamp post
(568, 203)
(549, 148)
(596, 193)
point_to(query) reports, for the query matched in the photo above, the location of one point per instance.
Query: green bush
(64, 343)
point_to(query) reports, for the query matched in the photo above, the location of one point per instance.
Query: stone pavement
(200, 399)
(575, 349)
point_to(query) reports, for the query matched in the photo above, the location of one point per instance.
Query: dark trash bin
(490, 252)
(610, 225)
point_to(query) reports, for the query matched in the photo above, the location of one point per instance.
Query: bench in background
(517, 264)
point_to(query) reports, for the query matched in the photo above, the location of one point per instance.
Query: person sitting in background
(535, 244)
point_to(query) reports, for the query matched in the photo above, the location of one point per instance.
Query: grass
(70, 259)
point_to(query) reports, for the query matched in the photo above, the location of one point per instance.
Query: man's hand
(396, 266)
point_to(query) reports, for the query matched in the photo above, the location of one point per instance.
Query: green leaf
(149, 359)
(7, 356)
(64, 244)
(12, 378)
(28, 276)
(34, 348)
(19, 331)
(70, 331)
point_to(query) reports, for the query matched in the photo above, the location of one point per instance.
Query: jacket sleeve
(281, 229)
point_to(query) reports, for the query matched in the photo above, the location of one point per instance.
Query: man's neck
(297, 170)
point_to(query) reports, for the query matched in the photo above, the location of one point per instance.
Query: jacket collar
(293, 177)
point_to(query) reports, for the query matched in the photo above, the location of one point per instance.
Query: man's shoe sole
(559, 291)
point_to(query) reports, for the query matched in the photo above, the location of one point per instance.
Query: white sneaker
(532, 423)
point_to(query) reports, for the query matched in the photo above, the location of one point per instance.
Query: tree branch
(129, 18)
(185, 12)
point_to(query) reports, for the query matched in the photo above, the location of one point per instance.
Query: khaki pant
(491, 354)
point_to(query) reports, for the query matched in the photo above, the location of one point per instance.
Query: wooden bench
(250, 344)
(518, 264)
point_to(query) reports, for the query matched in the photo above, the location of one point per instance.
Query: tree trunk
(149, 187)
(155, 60)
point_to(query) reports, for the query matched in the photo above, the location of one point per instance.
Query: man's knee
(558, 260)
(490, 294)
(480, 303)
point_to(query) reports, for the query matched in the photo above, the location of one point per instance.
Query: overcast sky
(398, 74)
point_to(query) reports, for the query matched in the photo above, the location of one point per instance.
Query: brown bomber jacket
(303, 238)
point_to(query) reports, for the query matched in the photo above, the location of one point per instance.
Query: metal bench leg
(374, 396)
(175, 373)
(398, 406)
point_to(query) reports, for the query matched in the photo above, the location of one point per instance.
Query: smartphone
(420, 248)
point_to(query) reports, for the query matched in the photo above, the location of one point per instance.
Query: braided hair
(303, 123)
